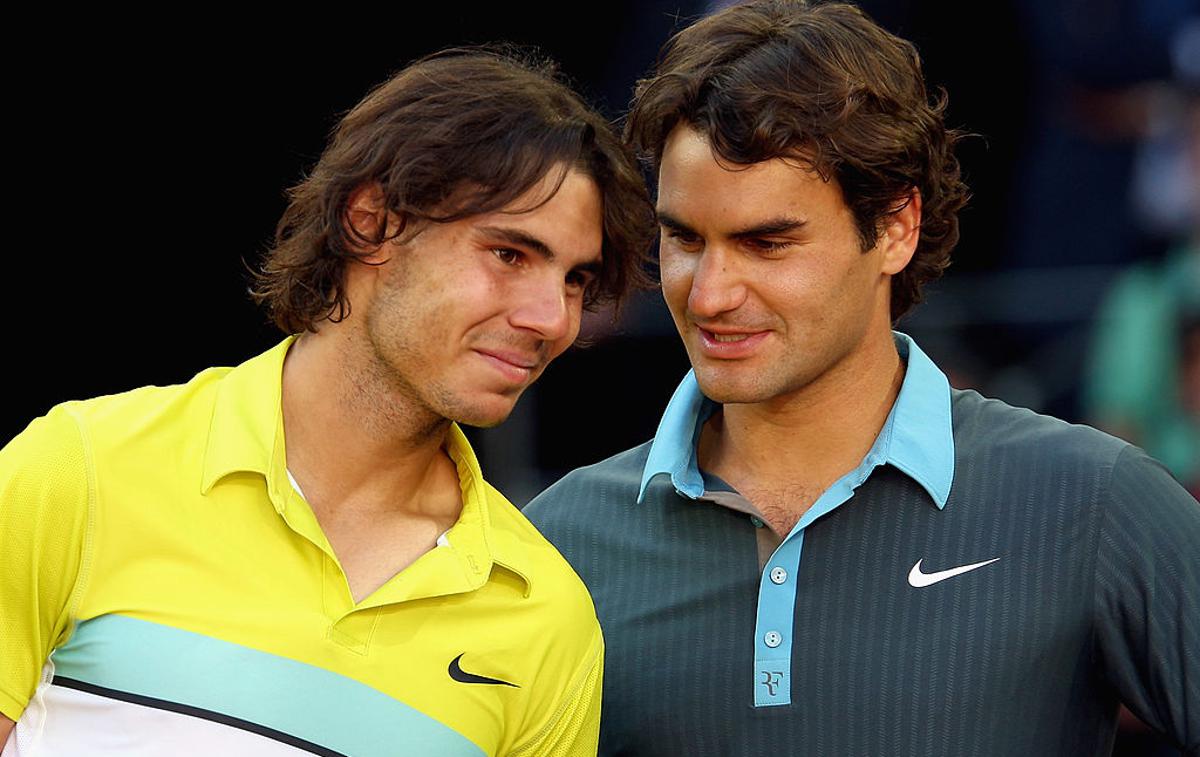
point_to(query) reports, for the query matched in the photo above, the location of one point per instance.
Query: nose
(716, 285)
(546, 310)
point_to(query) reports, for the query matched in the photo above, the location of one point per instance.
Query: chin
(723, 391)
(483, 414)
(743, 385)
(481, 422)
(725, 382)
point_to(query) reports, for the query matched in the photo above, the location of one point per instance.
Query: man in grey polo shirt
(825, 549)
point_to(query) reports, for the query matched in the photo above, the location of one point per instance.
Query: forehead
(697, 186)
(564, 210)
(547, 188)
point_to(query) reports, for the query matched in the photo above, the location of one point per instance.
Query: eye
(767, 246)
(580, 281)
(508, 255)
(683, 239)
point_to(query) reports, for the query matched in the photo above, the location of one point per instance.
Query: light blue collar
(917, 438)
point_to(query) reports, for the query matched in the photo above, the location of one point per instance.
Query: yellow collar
(246, 435)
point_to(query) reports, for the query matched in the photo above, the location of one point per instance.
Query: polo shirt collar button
(778, 575)
(772, 639)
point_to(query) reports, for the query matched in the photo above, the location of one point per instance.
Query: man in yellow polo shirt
(300, 554)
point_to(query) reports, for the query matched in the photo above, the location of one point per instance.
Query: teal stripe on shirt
(305, 701)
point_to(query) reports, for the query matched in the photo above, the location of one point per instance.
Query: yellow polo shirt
(165, 590)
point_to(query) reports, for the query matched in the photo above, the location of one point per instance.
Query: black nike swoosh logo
(462, 676)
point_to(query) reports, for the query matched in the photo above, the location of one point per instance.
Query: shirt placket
(775, 621)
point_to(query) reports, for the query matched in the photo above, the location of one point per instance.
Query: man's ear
(901, 235)
(368, 222)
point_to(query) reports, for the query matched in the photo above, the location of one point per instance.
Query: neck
(813, 436)
(351, 437)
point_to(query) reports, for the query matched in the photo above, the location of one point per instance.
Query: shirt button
(778, 575)
(772, 639)
(756, 521)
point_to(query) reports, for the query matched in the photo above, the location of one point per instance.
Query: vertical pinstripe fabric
(1129, 565)
(1095, 598)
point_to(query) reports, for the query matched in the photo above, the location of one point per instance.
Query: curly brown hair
(458, 133)
(825, 85)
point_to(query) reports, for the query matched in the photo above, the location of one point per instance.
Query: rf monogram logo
(771, 679)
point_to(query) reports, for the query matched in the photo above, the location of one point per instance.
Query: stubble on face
(455, 320)
(397, 380)
(385, 393)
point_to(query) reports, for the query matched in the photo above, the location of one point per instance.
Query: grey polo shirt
(986, 581)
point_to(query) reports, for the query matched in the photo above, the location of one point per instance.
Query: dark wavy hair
(458, 133)
(825, 85)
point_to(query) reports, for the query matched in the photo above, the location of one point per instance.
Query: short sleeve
(574, 731)
(44, 496)
(1147, 597)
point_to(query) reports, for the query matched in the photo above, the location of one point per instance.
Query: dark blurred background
(151, 159)
(152, 155)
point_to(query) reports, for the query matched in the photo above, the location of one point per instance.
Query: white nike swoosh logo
(919, 579)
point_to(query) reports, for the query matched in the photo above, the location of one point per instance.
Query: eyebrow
(528, 241)
(521, 239)
(673, 223)
(769, 227)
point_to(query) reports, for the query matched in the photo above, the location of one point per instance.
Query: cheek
(675, 271)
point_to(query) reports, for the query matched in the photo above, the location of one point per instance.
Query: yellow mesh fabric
(44, 504)
(575, 729)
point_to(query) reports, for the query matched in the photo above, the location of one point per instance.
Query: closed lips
(514, 359)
